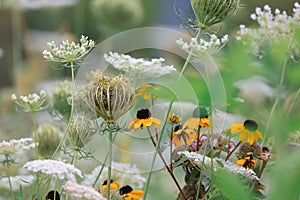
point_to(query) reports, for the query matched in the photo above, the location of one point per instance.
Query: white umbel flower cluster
(121, 172)
(30, 103)
(205, 162)
(203, 47)
(272, 27)
(82, 192)
(138, 67)
(54, 168)
(10, 147)
(68, 52)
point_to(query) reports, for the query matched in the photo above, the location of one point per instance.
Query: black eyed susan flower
(113, 186)
(174, 119)
(127, 193)
(248, 131)
(247, 162)
(180, 136)
(53, 195)
(144, 119)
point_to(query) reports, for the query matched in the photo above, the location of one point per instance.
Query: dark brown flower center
(125, 190)
(179, 126)
(143, 114)
(250, 125)
(105, 182)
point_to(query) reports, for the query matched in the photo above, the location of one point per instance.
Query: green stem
(109, 162)
(10, 186)
(277, 98)
(171, 144)
(36, 148)
(188, 57)
(72, 109)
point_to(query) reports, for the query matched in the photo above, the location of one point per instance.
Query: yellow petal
(147, 122)
(236, 128)
(155, 122)
(191, 123)
(258, 134)
(244, 136)
(240, 162)
(137, 193)
(137, 124)
(131, 123)
(251, 138)
(177, 141)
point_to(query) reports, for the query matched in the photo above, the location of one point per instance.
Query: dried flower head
(210, 12)
(68, 52)
(246, 148)
(81, 130)
(203, 47)
(31, 102)
(48, 138)
(10, 147)
(54, 168)
(138, 68)
(82, 192)
(110, 98)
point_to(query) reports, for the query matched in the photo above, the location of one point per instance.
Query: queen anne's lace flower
(203, 47)
(53, 168)
(138, 67)
(82, 192)
(10, 147)
(121, 172)
(204, 161)
(68, 52)
(31, 102)
(272, 28)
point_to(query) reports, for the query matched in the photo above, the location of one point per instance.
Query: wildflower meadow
(208, 109)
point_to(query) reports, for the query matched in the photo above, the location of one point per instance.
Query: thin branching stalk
(231, 152)
(10, 185)
(35, 137)
(72, 108)
(158, 150)
(189, 56)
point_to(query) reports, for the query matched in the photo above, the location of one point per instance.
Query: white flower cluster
(121, 172)
(82, 192)
(138, 67)
(16, 182)
(204, 161)
(10, 147)
(68, 52)
(31, 102)
(203, 47)
(272, 27)
(54, 168)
